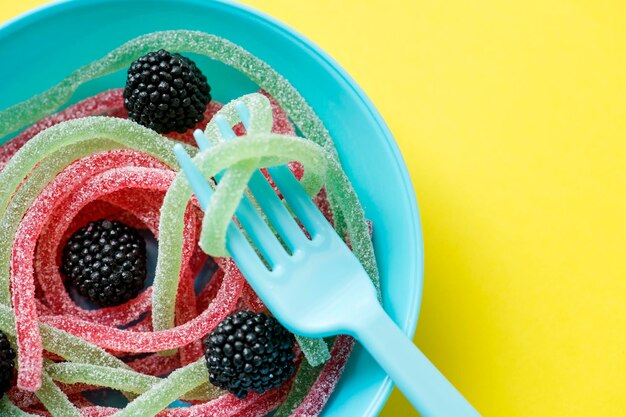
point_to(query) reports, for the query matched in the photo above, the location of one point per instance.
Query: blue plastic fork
(318, 288)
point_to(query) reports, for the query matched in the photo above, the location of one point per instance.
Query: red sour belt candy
(137, 342)
(51, 206)
(22, 280)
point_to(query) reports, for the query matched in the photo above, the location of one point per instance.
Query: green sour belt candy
(161, 394)
(119, 379)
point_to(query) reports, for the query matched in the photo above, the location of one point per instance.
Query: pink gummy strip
(186, 307)
(98, 209)
(145, 325)
(51, 207)
(22, 280)
(156, 364)
(137, 342)
(193, 258)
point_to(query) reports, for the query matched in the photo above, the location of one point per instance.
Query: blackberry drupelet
(166, 92)
(106, 262)
(7, 355)
(249, 352)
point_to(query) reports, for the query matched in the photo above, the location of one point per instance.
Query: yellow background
(511, 116)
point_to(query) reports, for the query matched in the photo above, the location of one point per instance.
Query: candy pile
(89, 163)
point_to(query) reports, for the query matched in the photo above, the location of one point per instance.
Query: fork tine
(244, 113)
(273, 208)
(225, 130)
(299, 201)
(246, 259)
(201, 140)
(260, 233)
(199, 185)
(276, 212)
(248, 216)
(295, 195)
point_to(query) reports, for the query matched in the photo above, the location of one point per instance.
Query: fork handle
(423, 385)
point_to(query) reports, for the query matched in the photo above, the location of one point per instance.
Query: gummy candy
(52, 200)
(78, 131)
(132, 341)
(167, 390)
(231, 54)
(155, 364)
(7, 409)
(219, 212)
(45, 195)
(120, 379)
(22, 280)
(55, 400)
(320, 391)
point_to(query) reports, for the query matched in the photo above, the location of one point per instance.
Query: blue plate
(50, 42)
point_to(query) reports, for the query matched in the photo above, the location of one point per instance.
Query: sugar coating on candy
(214, 47)
(50, 201)
(186, 307)
(187, 137)
(232, 186)
(82, 135)
(21, 398)
(25, 195)
(145, 208)
(59, 301)
(155, 364)
(55, 400)
(7, 409)
(73, 132)
(224, 406)
(323, 387)
(106, 103)
(69, 140)
(119, 349)
(130, 341)
(22, 280)
(252, 300)
(120, 379)
(305, 378)
(101, 209)
(171, 228)
(223, 203)
(282, 149)
(161, 394)
(143, 325)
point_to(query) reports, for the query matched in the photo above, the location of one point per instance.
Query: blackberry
(166, 92)
(7, 355)
(106, 262)
(249, 352)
